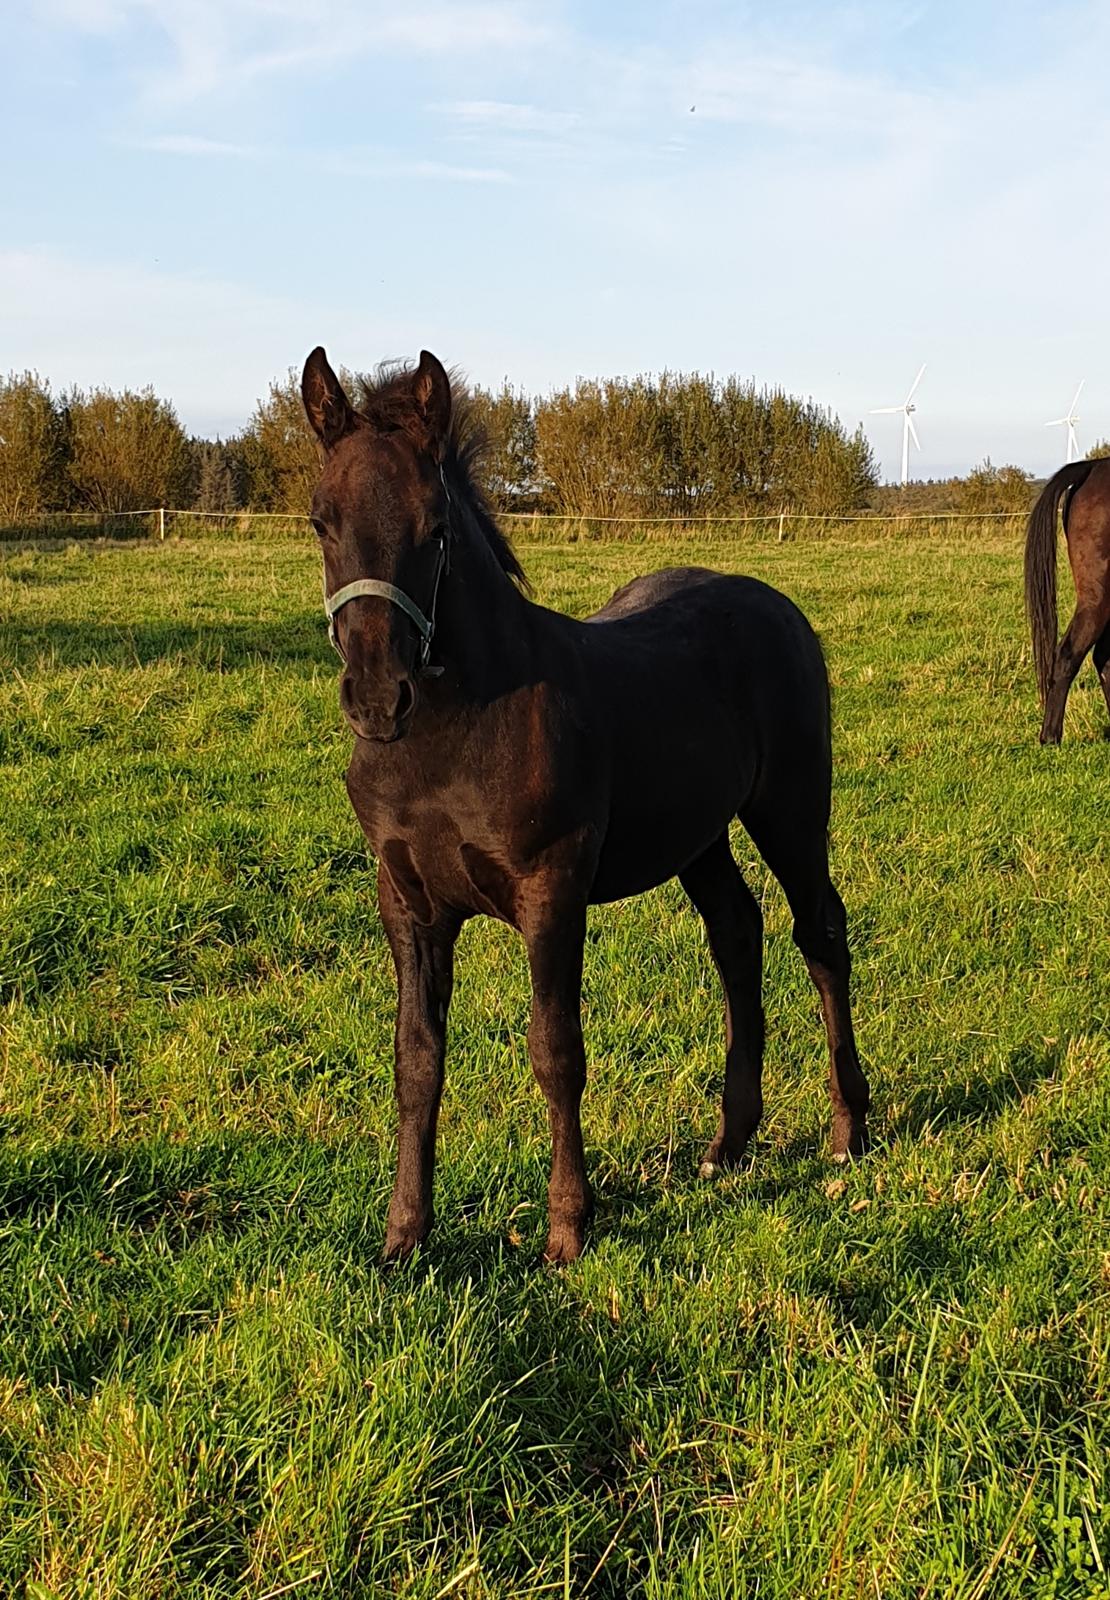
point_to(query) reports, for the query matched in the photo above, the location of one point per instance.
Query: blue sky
(195, 192)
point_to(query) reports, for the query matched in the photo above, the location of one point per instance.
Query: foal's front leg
(424, 960)
(555, 935)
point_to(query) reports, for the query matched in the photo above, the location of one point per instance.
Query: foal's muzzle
(370, 715)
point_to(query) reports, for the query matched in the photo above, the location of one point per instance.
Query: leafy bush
(33, 448)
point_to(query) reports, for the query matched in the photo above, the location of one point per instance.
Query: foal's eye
(318, 527)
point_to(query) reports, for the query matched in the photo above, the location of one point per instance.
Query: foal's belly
(682, 756)
(637, 856)
(658, 826)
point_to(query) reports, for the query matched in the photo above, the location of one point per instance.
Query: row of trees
(671, 446)
(986, 489)
(94, 451)
(668, 446)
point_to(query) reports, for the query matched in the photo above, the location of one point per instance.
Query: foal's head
(381, 514)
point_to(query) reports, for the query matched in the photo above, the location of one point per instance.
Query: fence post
(162, 523)
(782, 526)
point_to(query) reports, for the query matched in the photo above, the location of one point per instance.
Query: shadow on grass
(569, 1383)
(767, 1171)
(222, 646)
(980, 1100)
(115, 1259)
(107, 1251)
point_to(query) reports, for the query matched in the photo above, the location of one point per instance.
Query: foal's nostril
(406, 698)
(371, 715)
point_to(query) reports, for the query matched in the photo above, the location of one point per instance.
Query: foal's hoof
(713, 1169)
(851, 1145)
(565, 1243)
(721, 1158)
(400, 1242)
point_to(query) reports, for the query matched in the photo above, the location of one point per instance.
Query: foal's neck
(482, 634)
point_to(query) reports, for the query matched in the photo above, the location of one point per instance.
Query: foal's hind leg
(734, 924)
(1083, 630)
(795, 850)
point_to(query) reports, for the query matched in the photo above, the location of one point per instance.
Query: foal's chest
(443, 861)
(463, 877)
(465, 828)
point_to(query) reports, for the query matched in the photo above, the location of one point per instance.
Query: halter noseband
(425, 625)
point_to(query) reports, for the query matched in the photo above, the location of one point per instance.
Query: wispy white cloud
(385, 165)
(449, 173)
(794, 95)
(506, 116)
(219, 45)
(188, 144)
(89, 16)
(628, 107)
(356, 163)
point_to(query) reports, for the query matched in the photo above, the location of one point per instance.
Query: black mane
(385, 400)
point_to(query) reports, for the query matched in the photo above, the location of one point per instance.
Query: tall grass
(779, 527)
(890, 1381)
(535, 527)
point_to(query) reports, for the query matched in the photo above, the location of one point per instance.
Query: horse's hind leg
(734, 924)
(1102, 662)
(1083, 631)
(795, 849)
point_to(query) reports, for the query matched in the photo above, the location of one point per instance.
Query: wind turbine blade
(913, 430)
(916, 381)
(1078, 392)
(885, 411)
(1057, 422)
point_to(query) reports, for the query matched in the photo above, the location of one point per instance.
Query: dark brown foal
(514, 763)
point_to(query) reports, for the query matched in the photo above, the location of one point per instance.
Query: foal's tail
(1040, 567)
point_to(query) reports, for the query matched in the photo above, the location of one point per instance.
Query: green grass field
(796, 1381)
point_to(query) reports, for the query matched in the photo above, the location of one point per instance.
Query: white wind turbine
(1069, 421)
(907, 408)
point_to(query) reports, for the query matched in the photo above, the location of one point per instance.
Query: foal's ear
(431, 393)
(326, 406)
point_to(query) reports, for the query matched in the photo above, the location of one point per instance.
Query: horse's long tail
(1040, 567)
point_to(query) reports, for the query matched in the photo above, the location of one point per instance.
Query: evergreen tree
(217, 476)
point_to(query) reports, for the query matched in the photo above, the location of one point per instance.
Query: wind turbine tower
(907, 409)
(1069, 421)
